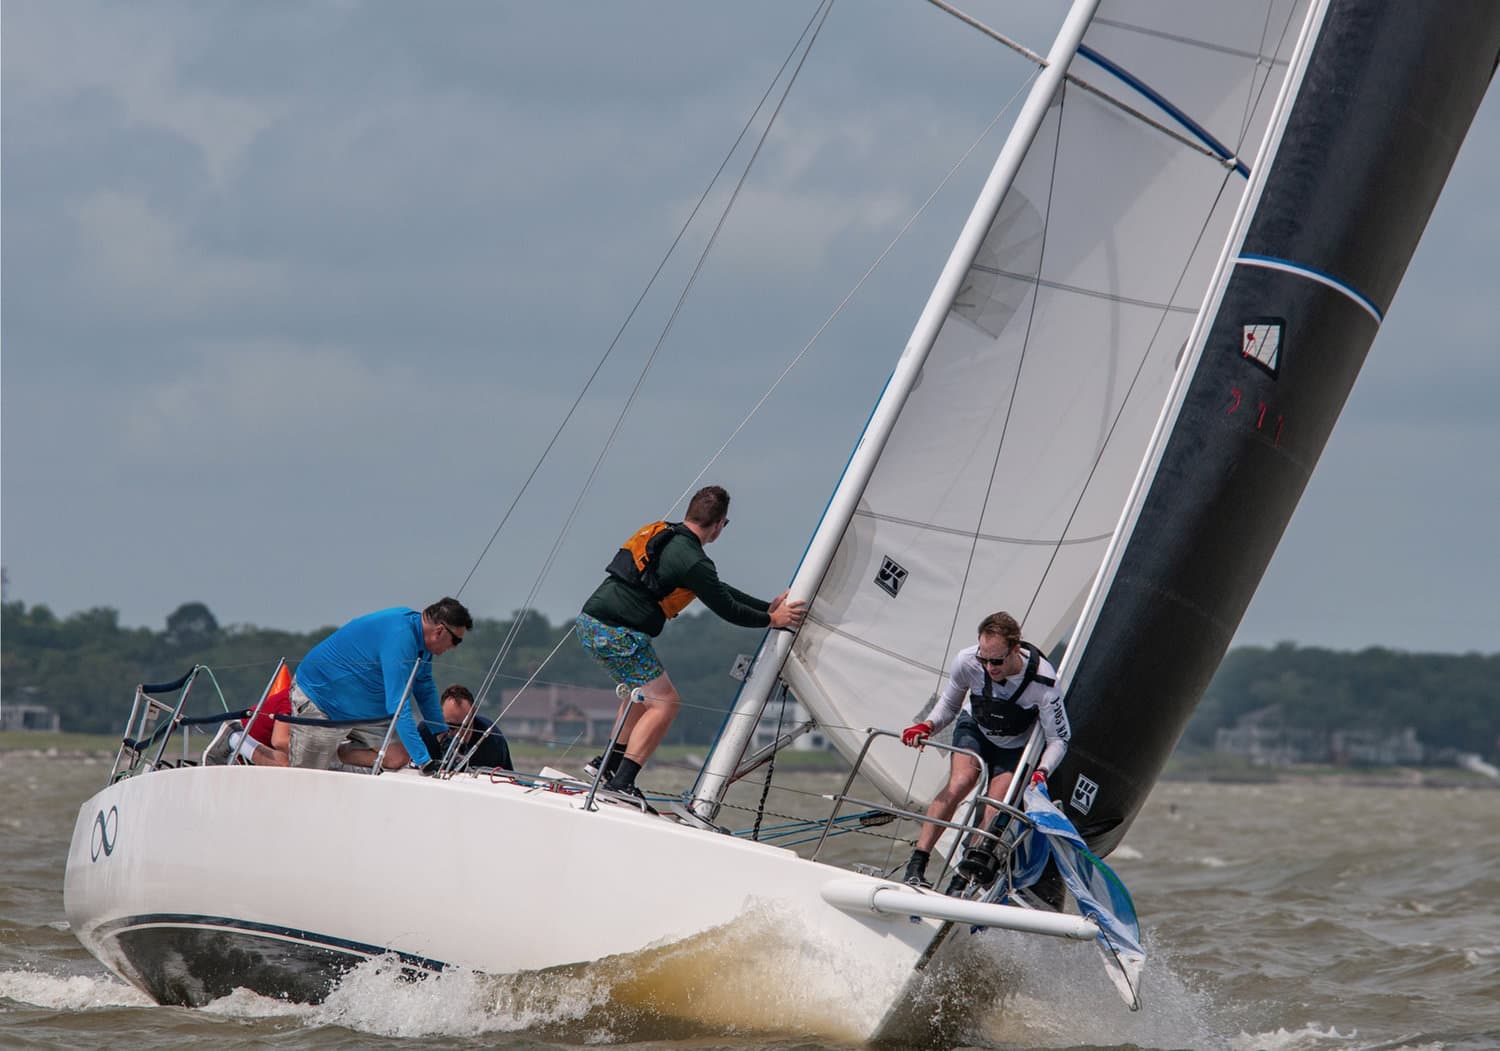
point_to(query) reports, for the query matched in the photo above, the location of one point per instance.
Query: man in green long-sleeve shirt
(659, 571)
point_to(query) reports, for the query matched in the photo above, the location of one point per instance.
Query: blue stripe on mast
(1199, 131)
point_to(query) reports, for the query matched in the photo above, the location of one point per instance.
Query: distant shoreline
(100, 748)
(1375, 777)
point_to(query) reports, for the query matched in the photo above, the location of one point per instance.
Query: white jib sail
(1010, 460)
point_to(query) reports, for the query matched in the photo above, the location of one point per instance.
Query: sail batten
(1077, 290)
(1033, 541)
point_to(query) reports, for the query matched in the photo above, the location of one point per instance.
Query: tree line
(1452, 701)
(85, 667)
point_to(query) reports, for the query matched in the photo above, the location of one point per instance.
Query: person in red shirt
(267, 742)
(268, 739)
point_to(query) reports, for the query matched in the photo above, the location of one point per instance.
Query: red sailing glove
(1039, 777)
(914, 735)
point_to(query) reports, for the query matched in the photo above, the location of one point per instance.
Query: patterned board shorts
(625, 653)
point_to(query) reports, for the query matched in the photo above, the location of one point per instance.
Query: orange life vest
(635, 563)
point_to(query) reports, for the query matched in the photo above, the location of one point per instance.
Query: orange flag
(282, 682)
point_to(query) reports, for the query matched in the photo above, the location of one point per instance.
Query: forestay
(1011, 458)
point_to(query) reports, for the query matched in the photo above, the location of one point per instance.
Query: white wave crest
(244, 1004)
(76, 993)
(375, 998)
(1307, 1038)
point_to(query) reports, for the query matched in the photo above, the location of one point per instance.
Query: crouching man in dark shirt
(493, 752)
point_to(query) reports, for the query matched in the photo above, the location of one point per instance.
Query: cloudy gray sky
(295, 295)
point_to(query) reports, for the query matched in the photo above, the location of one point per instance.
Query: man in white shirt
(997, 689)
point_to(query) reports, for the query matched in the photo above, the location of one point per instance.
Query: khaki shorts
(317, 747)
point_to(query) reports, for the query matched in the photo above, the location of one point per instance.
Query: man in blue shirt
(362, 670)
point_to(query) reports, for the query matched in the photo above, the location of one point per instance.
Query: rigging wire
(468, 722)
(843, 303)
(650, 283)
(819, 19)
(760, 811)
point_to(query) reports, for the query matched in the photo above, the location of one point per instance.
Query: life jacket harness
(636, 561)
(1003, 716)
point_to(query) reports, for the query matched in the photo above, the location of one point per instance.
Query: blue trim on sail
(1198, 131)
(1270, 262)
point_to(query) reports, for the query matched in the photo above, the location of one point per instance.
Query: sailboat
(1102, 422)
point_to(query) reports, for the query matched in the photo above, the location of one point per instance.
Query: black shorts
(997, 760)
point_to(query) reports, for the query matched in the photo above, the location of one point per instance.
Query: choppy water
(1288, 917)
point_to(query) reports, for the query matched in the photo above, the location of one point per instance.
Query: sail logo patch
(1084, 792)
(891, 576)
(1260, 342)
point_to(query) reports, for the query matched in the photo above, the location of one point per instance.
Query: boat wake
(759, 974)
(753, 975)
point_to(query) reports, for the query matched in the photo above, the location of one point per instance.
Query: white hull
(191, 882)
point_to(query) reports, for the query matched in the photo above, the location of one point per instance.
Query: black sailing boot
(916, 870)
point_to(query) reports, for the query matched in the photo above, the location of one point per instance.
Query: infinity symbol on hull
(106, 831)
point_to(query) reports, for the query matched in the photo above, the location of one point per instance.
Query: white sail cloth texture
(1100, 895)
(1011, 459)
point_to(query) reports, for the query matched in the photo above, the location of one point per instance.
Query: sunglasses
(993, 662)
(456, 639)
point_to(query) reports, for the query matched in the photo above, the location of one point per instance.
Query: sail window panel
(937, 465)
(993, 297)
(1211, 61)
